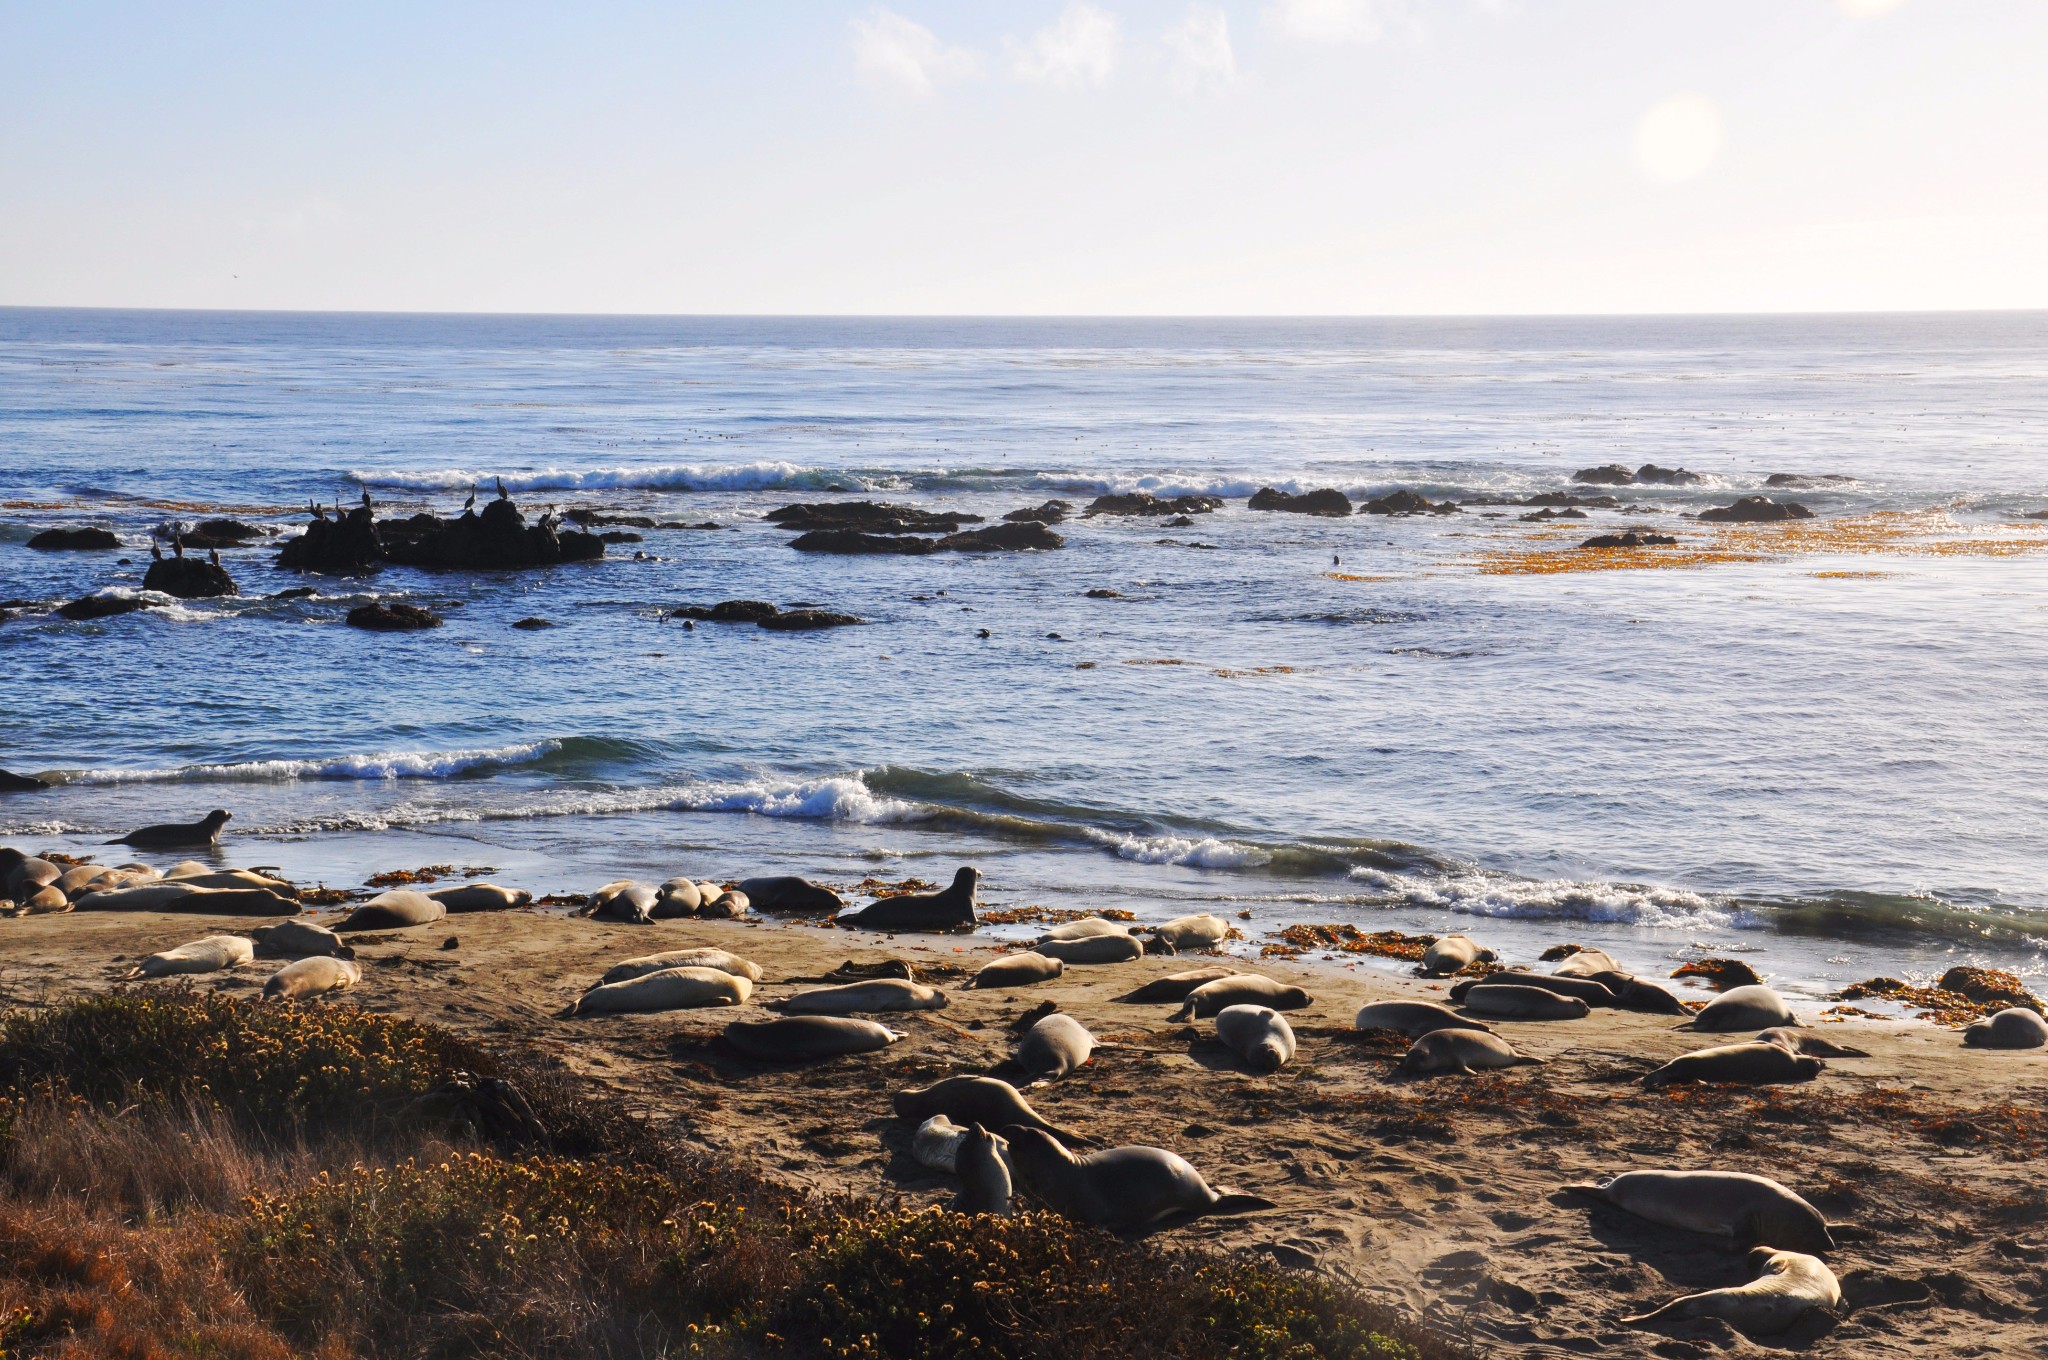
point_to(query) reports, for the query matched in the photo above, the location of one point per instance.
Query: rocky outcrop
(1022, 536)
(190, 578)
(392, 618)
(1324, 501)
(870, 517)
(346, 545)
(74, 540)
(1611, 474)
(1051, 512)
(498, 539)
(102, 607)
(1755, 510)
(1406, 502)
(1545, 516)
(805, 620)
(1145, 503)
(1025, 536)
(207, 533)
(728, 611)
(1630, 538)
(591, 519)
(1649, 474)
(532, 624)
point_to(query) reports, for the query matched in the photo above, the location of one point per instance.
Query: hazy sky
(1055, 156)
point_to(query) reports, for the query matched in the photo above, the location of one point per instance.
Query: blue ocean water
(1301, 718)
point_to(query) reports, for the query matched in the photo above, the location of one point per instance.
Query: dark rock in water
(344, 546)
(1796, 481)
(1613, 474)
(805, 620)
(1023, 536)
(1649, 474)
(873, 517)
(1105, 593)
(1632, 538)
(74, 540)
(1543, 516)
(2035, 514)
(1755, 510)
(1052, 512)
(1565, 499)
(621, 536)
(1324, 501)
(1178, 522)
(393, 618)
(295, 593)
(590, 518)
(189, 578)
(102, 607)
(208, 533)
(1408, 503)
(531, 625)
(729, 611)
(847, 542)
(20, 783)
(1145, 503)
(497, 539)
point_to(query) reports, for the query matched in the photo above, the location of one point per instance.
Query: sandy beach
(1441, 1194)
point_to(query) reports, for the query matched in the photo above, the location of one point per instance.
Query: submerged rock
(1406, 502)
(74, 540)
(1611, 474)
(1755, 510)
(1649, 474)
(1631, 538)
(873, 517)
(728, 611)
(1051, 512)
(1145, 503)
(392, 618)
(102, 607)
(1323, 501)
(533, 624)
(189, 578)
(1544, 516)
(1023, 536)
(806, 620)
(1020, 536)
(590, 518)
(11, 782)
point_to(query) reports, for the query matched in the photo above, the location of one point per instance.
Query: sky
(1120, 157)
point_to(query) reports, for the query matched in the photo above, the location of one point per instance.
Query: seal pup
(787, 892)
(471, 897)
(1789, 1285)
(677, 897)
(936, 1144)
(1185, 934)
(1241, 989)
(1752, 1210)
(1750, 1064)
(623, 900)
(1585, 989)
(671, 989)
(2013, 1028)
(682, 958)
(299, 940)
(806, 1038)
(1743, 1008)
(1174, 986)
(1464, 1051)
(1579, 961)
(1093, 949)
(876, 994)
(1056, 1045)
(213, 954)
(312, 977)
(988, 1101)
(1723, 974)
(982, 1161)
(1807, 1045)
(1510, 1002)
(1258, 1035)
(46, 901)
(1016, 970)
(1453, 954)
(177, 835)
(1087, 928)
(1123, 1189)
(394, 910)
(729, 904)
(949, 909)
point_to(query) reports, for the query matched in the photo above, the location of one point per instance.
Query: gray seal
(1464, 1051)
(950, 909)
(677, 897)
(311, 977)
(1414, 1018)
(982, 1161)
(299, 940)
(2014, 1028)
(1258, 1035)
(726, 906)
(988, 1101)
(1187, 933)
(1788, 1286)
(213, 954)
(807, 1038)
(1743, 1008)
(178, 835)
(1754, 1211)
(1241, 989)
(788, 893)
(1056, 1045)
(724, 962)
(1509, 1002)
(1807, 1044)
(1123, 1189)
(1634, 994)
(876, 994)
(1174, 986)
(1452, 954)
(1087, 928)
(623, 900)
(1585, 989)
(394, 910)
(1016, 970)
(671, 989)
(1094, 949)
(1750, 1064)
(480, 897)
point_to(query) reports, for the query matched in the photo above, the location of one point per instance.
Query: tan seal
(1510, 1002)
(1414, 1018)
(1017, 970)
(1054, 1046)
(1752, 1064)
(1259, 1035)
(1174, 986)
(1741, 1008)
(1754, 1211)
(807, 1038)
(470, 897)
(1185, 934)
(310, 978)
(724, 962)
(395, 910)
(1788, 1286)
(1093, 949)
(299, 940)
(214, 954)
(1241, 989)
(876, 994)
(1452, 954)
(1464, 1051)
(1087, 928)
(2013, 1028)
(1123, 1189)
(671, 989)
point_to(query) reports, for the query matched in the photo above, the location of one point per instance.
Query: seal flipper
(1589, 1190)
(1230, 1204)
(1673, 1309)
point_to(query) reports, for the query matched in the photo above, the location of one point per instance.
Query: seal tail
(1524, 1060)
(1671, 1309)
(1240, 1204)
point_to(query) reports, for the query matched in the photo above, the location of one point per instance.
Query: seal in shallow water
(1452, 954)
(311, 977)
(1259, 1035)
(210, 955)
(805, 1038)
(2014, 1028)
(1464, 1051)
(1122, 1189)
(1789, 1286)
(1753, 1064)
(394, 910)
(1241, 989)
(1752, 1210)
(177, 835)
(1743, 1008)
(949, 909)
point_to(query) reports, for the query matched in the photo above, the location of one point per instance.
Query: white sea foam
(841, 798)
(384, 765)
(1483, 894)
(1204, 853)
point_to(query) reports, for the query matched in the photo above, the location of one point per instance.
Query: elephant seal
(1016, 970)
(311, 977)
(73, 880)
(1724, 974)
(480, 897)
(2014, 1028)
(671, 989)
(787, 892)
(623, 900)
(177, 897)
(982, 1161)
(1509, 1002)
(1585, 989)
(987, 1101)
(876, 994)
(936, 1144)
(1634, 994)
(300, 940)
(1174, 986)
(28, 875)
(682, 958)
(806, 1038)
(1807, 1045)
(1753, 1210)
(1743, 1008)
(950, 909)
(1744, 1064)
(1122, 1189)
(238, 878)
(677, 897)
(48, 900)
(1055, 1046)
(1184, 934)
(1464, 1051)
(177, 835)
(394, 910)
(187, 868)
(11, 782)
(1259, 1035)
(1087, 928)
(1581, 962)
(1452, 954)
(728, 905)
(1093, 949)
(1790, 1285)
(142, 897)
(1241, 989)
(210, 955)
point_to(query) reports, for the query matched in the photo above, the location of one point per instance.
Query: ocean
(1821, 747)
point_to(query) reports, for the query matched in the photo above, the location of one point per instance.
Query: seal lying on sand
(806, 1038)
(394, 910)
(1055, 1046)
(311, 977)
(1016, 970)
(1807, 1045)
(1414, 1018)
(623, 900)
(728, 905)
(1581, 962)
(877, 994)
(480, 897)
(1585, 989)
(1452, 954)
(1241, 989)
(982, 1161)
(1634, 994)
(236, 878)
(210, 955)
(1186, 933)
(299, 940)
(682, 958)
(23, 875)
(671, 989)
(950, 909)
(2014, 1028)
(178, 835)
(677, 897)
(1791, 1284)
(1743, 1008)
(1087, 928)
(1259, 1035)
(142, 897)
(1174, 986)
(1123, 1189)
(1752, 1210)
(1746, 1064)
(1509, 1002)
(1464, 1051)
(987, 1101)
(789, 893)
(1094, 949)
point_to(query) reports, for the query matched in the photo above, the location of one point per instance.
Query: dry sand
(1440, 1193)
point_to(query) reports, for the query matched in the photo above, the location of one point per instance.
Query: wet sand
(1440, 1193)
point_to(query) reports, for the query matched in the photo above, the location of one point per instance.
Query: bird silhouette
(213, 556)
(1336, 561)
(503, 494)
(178, 543)
(366, 498)
(470, 504)
(156, 554)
